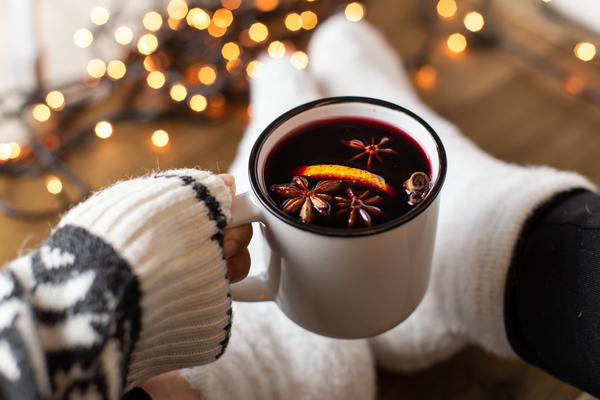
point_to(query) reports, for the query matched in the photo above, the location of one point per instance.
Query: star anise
(299, 197)
(369, 149)
(359, 207)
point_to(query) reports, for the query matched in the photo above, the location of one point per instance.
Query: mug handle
(244, 210)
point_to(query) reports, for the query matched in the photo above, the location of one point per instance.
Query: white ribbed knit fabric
(159, 226)
(269, 357)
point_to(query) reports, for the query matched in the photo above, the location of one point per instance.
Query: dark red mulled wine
(347, 173)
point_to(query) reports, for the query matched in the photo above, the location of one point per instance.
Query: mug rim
(325, 231)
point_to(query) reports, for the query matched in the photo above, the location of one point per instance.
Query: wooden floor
(510, 109)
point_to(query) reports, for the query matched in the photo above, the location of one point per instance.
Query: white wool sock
(269, 356)
(166, 226)
(484, 205)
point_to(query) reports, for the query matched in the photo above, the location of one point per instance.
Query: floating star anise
(369, 149)
(359, 207)
(299, 197)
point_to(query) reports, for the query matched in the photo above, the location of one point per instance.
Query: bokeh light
(41, 112)
(426, 77)
(55, 99)
(276, 49)
(99, 15)
(198, 103)
(446, 8)
(309, 20)
(231, 4)
(53, 184)
(177, 9)
(354, 12)
(152, 63)
(574, 85)
(152, 21)
(207, 75)
(254, 68)
(178, 92)
(230, 51)
(299, 60)
(266, 5)
(116, 69)
(103, 129)
(156, 79)
(83, 38)
(160, 138)
(147, 44)
(585, 51)
(223, 18)
(215, 30)
(5, 152)
(457, 43)
(96, 68)
(258, 32)
(473, 21)
(15, 150)
(123, 35)
(199, 19)
(293, 22)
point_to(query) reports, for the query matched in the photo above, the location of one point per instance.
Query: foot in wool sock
(484, 205)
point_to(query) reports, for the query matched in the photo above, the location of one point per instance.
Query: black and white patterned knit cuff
(134, 276)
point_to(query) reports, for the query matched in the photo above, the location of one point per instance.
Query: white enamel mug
(342, 283)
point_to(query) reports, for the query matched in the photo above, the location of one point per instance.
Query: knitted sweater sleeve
(132, 283)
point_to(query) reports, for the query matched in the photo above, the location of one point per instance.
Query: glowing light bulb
(266, 5)
(160, 138)
(96, 68)
(123, 35)
(309, 20)
(116, 69)
(585, 51)
(5, 151)
(177, 9)
(258, 32)
(254, 68)
(207, 75)
(15, 150)
(223, 18)
(230, 51)
(156, 79)
(198, 103)
(473, 21)
(152, 21)
(293, 22)
(457, 43)
(147, 44)
(354, 12)
(299, 60)
(426, 77)
(103, 129)
(276, 49)
(83, 38)
(53, 184)
(231, 4)
(99, 15)
(55, 99)
(178, 92)
(446, 8)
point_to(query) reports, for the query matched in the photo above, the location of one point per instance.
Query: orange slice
(353, 175)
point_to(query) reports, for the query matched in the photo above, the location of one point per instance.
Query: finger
(229, 180)
(169, 386)
(238, 266)
(235, 240)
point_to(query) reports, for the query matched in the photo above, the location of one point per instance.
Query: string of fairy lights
(482, 28)
(190, 61)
